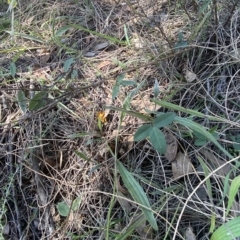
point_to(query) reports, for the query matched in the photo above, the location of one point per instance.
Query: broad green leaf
(164, 120)
(158, 141)
(67, 64)
(115, 90)
(21, 100)
(128, 83)
(228, 231)
(200, 142)
(63, 209)
(233, 192)
(38, 101)
(143, 132)
(137, 194)
(76, 203)
(200, 129)
(13, 69)
(132, 113)
(156, 89)
(120, 78)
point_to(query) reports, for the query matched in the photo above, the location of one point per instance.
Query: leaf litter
(181, 166)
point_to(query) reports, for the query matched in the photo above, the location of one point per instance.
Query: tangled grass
(70, 168)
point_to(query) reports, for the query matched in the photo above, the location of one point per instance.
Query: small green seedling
(64, 209)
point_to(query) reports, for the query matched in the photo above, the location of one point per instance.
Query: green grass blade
(84, 134)
(185, 110)
(131, 228)
(132, 113)
(112, 39)
(198, 128)
(26, 37)
(206, 173)
(228, 231)
(233, 192)
(137, 194)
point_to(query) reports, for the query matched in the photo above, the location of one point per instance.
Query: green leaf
(202, 137)
(126, 34)
(76, 203)
(233, 192)
(26, 36)
(236, 139)
(228, 231)
(200, 142)
(22, 101)
(143, 132)
(137, 194)
(136, 90)
(95, 33)
(38, 101)
(164, 120)
(158, 141)
(67, 64)
(63, 209)
(74, 74)
(156, 89)
(115, 90)
(128, 83)
(12, 4)
(185, 110)
(13, 69)
(62, 30)
(180, 43)
(120, 78)
(213, 222)
(204, 6)
(200, 129)
(82, 155)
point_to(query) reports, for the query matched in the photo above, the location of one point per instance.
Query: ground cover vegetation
(119, 119)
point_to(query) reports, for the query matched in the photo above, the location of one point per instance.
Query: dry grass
(44, 161)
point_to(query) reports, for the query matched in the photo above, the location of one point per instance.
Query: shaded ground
(60, 149)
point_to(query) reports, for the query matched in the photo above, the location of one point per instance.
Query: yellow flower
(101, 116)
